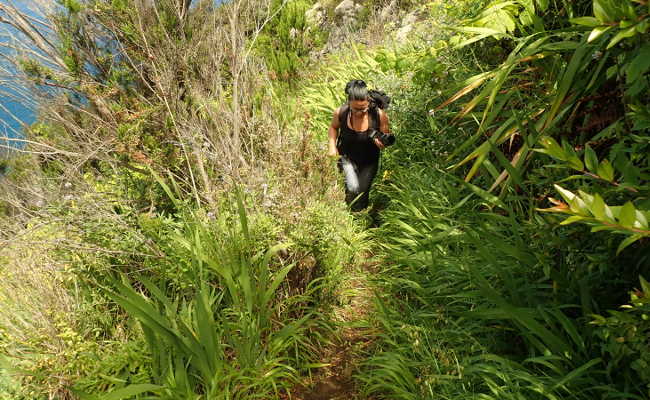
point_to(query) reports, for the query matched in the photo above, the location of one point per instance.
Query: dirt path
(354, 335)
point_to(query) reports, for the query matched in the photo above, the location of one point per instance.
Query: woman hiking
(358, 132)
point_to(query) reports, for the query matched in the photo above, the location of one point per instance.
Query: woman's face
(359, 107)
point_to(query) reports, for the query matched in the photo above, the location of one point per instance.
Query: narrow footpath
(354, 335)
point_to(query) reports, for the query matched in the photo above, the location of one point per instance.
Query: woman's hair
(356, 90)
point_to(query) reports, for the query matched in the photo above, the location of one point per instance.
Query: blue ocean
(15, 109)
(12, 115)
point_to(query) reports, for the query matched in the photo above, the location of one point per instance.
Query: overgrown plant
(475, 305)
(287, 40)
(224, 339)
(593, 74)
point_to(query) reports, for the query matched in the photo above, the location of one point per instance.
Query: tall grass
(31, 278)
(469, 306)
(233, 334)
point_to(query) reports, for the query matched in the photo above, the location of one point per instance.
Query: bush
(287, 40)
(624, 341)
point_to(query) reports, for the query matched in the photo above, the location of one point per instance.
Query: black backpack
(379, 99)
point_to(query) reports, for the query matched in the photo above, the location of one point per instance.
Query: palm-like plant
(225, 341)
(572, 69)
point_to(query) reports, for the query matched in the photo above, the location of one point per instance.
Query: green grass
(466, 308)
(238, 307)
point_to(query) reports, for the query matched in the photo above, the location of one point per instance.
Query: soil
(335, 381)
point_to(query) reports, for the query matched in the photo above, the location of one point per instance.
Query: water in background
(20, 105)
(11, 127)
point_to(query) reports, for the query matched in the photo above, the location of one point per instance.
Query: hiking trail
(349, 343)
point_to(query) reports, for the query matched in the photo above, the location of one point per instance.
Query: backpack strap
(374, 112)
(343, 121)
(343, 115)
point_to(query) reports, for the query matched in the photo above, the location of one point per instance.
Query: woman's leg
(366, 175)
(358, 180)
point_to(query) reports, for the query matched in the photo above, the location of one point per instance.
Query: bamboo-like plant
(573, 67)
(467, 307)
(224, 341)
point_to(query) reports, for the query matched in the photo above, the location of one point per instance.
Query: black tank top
(357, 145)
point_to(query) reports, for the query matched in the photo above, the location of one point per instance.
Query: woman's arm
(332, 133)
(383, 121)
(383, 126)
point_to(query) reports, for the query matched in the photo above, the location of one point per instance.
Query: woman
(350, 138)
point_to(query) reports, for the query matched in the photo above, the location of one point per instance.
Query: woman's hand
(378, 143)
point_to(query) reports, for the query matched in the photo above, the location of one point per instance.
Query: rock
(344, 9)
(347, 11)
(407, 25)
(388, 12)
(316, 15)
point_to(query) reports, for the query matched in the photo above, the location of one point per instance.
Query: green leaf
(552, 148)
(576, 373)
(277, 280)
(628, 241)
(485, 195)
(566, 194)
(591, 160)
(627, 215)
(566, 45)
(508, 166)
(599, 11)
(639, 65)
(578, 206)
(526, 18)
(575, 163)
(576, 64)
(572, 219)
(571, 156)
(609, 214)
(641, 220)
(645, 286)
(608, 10)
(597, 32)
(130, 391)
(629, 32)
(165, 187)
(626, 24)
(207, 326)
(598, 207)
(606, 171)
(588, 199)
(585, 21)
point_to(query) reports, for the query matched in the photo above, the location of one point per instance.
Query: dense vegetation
(182, 234)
